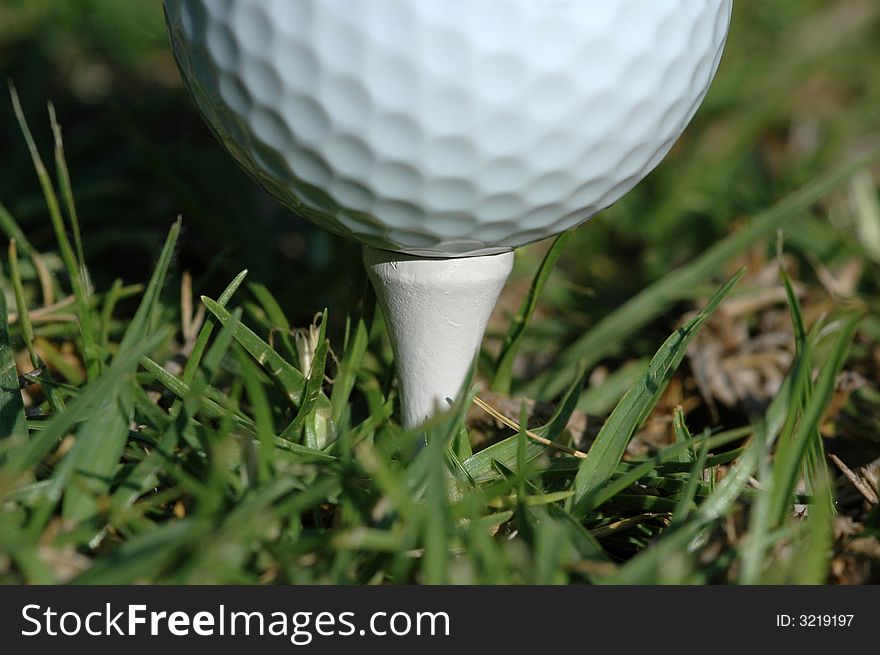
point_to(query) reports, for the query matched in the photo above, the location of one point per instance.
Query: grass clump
(230, 449)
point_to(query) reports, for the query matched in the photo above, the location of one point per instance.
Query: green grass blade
(291, 381)
(13, 232)
(355, 348)
(270, 305)
(811, 566)
(753, 550)
(12, 419)
(276, 319)
(89, 467)
(63, 175)
(815, 465)
(56, 403)
(687, 495)
(195, 358)
(610, 444)
(435, 522)
(261, 410)
(503, 378)
(142, 322)
(785, 474)
(480, 466)
(110, 301)
(682, 434)
(27, 328)
(80, 289)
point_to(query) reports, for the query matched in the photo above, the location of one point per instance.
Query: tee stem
(436, 312)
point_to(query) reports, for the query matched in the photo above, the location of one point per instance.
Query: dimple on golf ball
(448, 127)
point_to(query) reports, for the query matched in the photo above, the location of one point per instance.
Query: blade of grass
(80, 290)
(276, 317)
(63, 175)
(756, 541)
(863, 190)
(12, 419)
(811, 566)
(24, 319)
(140, 325)
(815, 463)
(110, 301)
(435, 517)
(13, 232)
(503, 378)
(56, 403)
(688, 494)
(356, 344)
(610, 444)
(682, 434)
(291, 381)
(88, 469)
(761, 534)
(785, 474)
(262, 412)
(480, 466)
(195, 358)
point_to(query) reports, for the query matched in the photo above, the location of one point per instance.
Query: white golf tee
(436, 312)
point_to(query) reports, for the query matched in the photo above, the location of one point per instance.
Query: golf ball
(453, 127)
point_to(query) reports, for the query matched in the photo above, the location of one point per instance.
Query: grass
(640, 433)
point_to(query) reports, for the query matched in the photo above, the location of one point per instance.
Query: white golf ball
(448, 127)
